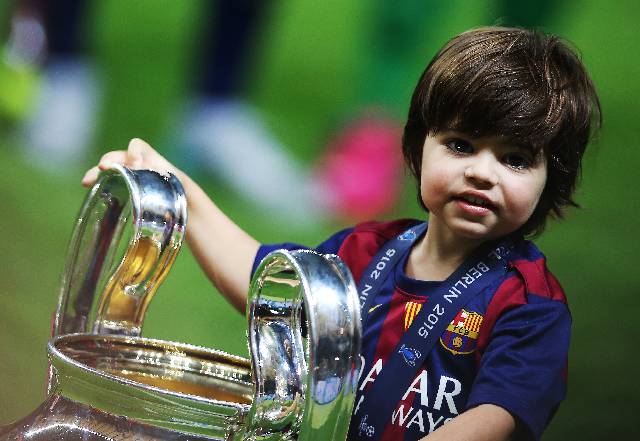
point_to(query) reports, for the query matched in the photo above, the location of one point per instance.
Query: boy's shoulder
(530, 268)
(528, 284)
(384, 230)
(365, 239)
(527, 281)
(529, 295)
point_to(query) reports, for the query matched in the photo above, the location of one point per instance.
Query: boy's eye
(517, 161)
(459, 146)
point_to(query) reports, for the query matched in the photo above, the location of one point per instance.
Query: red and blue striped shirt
(508, 346)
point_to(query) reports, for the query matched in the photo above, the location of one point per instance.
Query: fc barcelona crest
(461, 335)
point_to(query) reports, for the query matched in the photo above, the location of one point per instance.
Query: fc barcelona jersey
(507, 346)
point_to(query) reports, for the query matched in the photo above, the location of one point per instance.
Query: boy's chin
(475, 232)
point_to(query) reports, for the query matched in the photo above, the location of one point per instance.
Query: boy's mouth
(476, 201)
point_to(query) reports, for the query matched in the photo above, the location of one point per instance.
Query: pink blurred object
(361, 172)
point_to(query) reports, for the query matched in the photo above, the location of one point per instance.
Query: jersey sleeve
(329, 246)
(355, 245)
(523, 367)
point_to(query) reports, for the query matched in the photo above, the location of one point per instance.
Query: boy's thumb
(135, 153)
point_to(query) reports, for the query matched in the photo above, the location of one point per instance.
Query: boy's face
(479, 188)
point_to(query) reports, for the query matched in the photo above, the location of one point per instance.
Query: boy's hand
(139, 155)
(223, 250)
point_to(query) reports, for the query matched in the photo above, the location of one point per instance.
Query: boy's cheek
(435, 185)
(521, 205)
(434, 193)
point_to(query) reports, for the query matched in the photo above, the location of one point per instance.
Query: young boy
(496, 130)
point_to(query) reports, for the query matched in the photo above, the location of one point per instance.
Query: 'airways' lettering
(373, 374)
(420, 386)
(448, 388)
(399, 418)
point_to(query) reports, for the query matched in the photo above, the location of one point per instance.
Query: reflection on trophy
(108, 382)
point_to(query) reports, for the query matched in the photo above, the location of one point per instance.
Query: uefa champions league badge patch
(410, 355)
(461, 336)
(408, 235)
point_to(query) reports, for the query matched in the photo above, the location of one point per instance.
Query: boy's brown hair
(525, 86)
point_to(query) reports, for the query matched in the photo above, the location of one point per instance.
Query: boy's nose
(482, 171)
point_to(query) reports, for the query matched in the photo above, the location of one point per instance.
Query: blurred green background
(317, 63)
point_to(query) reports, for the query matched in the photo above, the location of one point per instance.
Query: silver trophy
(107, 382)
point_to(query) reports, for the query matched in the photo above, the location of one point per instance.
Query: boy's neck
(438, 254)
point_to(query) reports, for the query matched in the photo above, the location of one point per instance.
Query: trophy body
(115, 387)
(107, 382)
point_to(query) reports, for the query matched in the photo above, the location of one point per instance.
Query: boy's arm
(486, 422)
(224, 251)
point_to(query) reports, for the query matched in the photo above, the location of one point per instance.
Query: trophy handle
(304, 337)
(129, 231)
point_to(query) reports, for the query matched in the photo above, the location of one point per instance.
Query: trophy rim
(57, 353)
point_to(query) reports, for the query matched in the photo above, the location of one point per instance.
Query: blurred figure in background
(363, 165)
(61, 124)
(218, 125)
(219, 132)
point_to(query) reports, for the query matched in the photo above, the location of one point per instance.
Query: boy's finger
(139, 144)
(115, 157)
(135, 152)
(90, 177)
